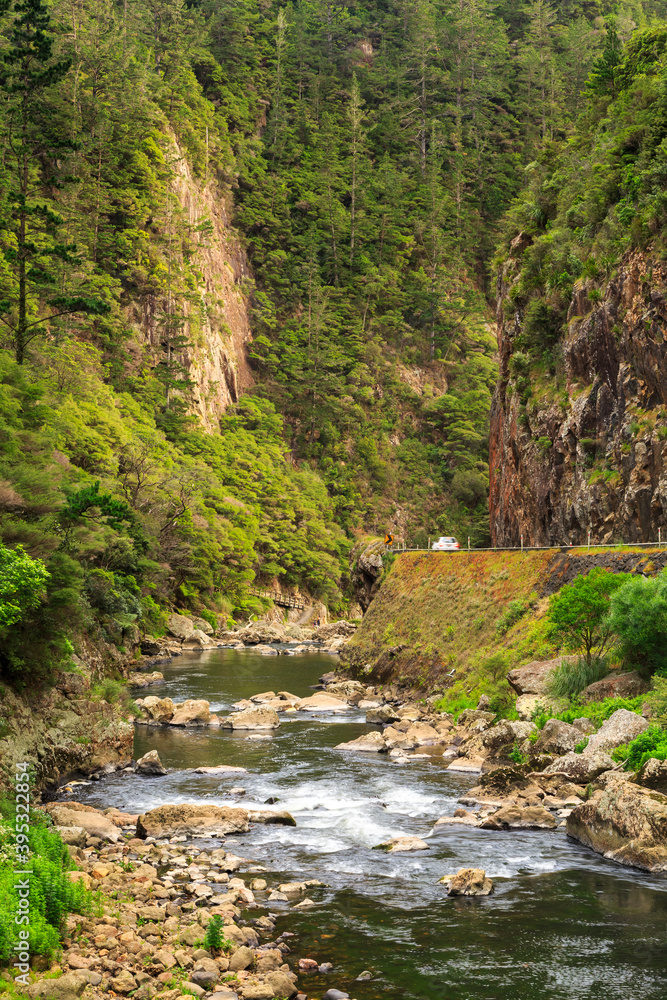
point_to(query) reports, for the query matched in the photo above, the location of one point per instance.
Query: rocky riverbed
(386, 839)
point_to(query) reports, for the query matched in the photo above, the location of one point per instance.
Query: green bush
(651, 743)
(214, 939)
(52, 895)
(597, 711)
(513, 613)
(569, 679)
(638, 616)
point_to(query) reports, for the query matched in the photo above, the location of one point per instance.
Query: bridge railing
(284, 600)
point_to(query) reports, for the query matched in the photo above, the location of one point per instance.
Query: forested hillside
(330, 173)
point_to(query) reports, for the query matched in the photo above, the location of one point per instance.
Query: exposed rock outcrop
(192, 820)
(607, 419)
(625, 823)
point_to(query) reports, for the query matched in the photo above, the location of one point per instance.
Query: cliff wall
(587, 451)
(214, 323)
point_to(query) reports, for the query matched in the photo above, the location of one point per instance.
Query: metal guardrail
(534, 548)
(285, 600)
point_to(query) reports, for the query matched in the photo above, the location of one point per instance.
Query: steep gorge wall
(594, 456)
(216, 327)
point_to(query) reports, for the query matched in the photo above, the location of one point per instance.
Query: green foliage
(577, 613)
(581, 746)
(638, 616)
(597, 711)
(214, 939)
(657, 700)
(651, 743)
(569, 679)
(22, 582)
(517, 755)
(52, 895)
(513, 613)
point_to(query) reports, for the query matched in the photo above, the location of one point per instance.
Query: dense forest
(366, 157)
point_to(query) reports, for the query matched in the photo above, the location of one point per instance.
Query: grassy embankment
(456, 623)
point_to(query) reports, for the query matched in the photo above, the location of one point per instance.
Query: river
(562, 923)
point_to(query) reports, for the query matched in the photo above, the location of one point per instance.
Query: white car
(445, 544)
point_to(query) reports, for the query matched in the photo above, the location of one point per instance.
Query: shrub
(513, 613)
(22, 581)
(52, 895)
(569, 679)
(657, 700)
(638, 616)
(651, 743)
(578, 613)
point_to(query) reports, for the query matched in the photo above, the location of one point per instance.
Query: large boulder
(498, 741)
(268, 987)
(192, 820)
(202, 625)
(150, 764)
(527, 705)
(515, 818)
(66, 987)
(558, 737)
(252, 718)
(468, 882)
(158, 711)
(199, 638)
(629, 685)
(321, 703)
(474, 721)
(620, 728)
(76, 814)
(626, 823)
(260, 633)
(334, 630)
(193, 712)
(581, 767)
(180, 626)
(368, 743)
(382, 715)
(535, 677)
(143, 680)
(402, 844)
(653, 775)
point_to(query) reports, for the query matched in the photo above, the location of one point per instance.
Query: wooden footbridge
(284, 600)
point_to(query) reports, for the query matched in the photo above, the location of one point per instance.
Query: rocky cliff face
(590, 453)
(216, 325)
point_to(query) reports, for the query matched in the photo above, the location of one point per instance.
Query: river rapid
(562, 923)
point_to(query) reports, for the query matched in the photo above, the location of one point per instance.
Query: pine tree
(35, 291)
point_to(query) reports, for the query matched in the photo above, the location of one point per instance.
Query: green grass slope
(456, 623)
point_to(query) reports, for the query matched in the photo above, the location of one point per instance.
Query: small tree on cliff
(578, 613)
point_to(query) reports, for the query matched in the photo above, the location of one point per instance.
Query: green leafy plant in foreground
(214, 939)
(651, 743)
(578, 613)
(52, 894)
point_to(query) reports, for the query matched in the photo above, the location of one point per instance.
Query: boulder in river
(252, 718)
(466, 766)
(220, 769)
(192, 712)
(150, 764)
(401, 844)
(512, 817)
(158, 711)
(192, 820)
(368, 743)
(621, 727)
(625, 823)
(267, 816)
(468, 882)
(321, 703)
(143, 680)
(381, 715)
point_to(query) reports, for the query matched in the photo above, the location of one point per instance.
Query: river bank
(377, 912)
